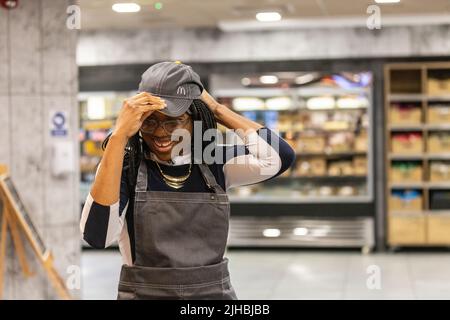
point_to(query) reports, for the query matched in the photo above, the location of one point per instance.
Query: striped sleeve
(100, 225)
(264, 155)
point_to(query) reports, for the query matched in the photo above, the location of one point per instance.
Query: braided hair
(136, 147)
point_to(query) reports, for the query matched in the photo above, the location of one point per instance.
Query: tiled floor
(305, 275)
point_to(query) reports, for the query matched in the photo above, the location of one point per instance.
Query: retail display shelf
(407, 213)
(406, 127)
(406, 97)
(407, 185)
(331, 154)
(417, 109)
(419, 127)
(406, 156)
(438, 212)
(417, 97)
(439, 97)
(299, 198)
(437, 127)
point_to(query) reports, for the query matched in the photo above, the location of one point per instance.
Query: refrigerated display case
(326, 197)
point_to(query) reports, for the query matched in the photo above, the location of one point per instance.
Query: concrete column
(38, 76)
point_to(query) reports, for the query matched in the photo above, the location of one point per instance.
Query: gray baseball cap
(175, 82)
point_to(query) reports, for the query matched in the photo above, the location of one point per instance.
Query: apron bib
(180, 242)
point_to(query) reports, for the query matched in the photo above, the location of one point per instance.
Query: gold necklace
(174, 182)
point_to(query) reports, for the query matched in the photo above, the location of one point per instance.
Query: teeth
(163, 144)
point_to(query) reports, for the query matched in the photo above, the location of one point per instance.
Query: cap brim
(175, 107)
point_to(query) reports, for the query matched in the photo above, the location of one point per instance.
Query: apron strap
(210, 179)
(142, 179)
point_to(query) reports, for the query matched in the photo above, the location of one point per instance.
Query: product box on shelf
(405, 114)
(406, 172)
(340, 142)
(361, 141)
(438, 114)
(438, 226)
(409, 142)
(440, 171)
(406, 229)
(405, 200)
(311, 144)
(340, 168)
(438, 86)
(360, 166)
(439, 142)
(311, 167)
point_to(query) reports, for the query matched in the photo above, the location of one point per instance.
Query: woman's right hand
(134, 111)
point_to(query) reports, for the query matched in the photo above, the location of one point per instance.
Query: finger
(146, 115)
(149, 100)
(146, 107)
(140, 95)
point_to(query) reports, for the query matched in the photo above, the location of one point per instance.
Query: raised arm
(106, 187)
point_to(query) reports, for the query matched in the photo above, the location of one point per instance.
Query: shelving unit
(417, 101)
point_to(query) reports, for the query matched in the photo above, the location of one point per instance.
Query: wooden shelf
(406, 97)
(405, 156)
(424, 228)
(332, 155)
(419, 185)
(407, 185)
(406, 127)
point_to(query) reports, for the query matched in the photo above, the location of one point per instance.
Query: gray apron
(180, 242)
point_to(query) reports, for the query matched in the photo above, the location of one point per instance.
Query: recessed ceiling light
(268, 16)
(268, 79)
(246, 81)
(387, 1)
(126, 7)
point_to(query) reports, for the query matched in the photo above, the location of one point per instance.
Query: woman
(166, 206)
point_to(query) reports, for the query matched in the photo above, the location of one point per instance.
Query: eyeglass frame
(181, 123)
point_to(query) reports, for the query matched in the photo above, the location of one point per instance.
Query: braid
(200, 112)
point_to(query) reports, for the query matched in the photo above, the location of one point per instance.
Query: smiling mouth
(163, 144)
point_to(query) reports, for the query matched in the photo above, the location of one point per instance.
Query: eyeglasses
(169, 126)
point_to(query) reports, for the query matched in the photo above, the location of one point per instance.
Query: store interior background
(367, 110)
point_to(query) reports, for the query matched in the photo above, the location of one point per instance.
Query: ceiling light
(271, 233)
(387, 1)
(246, 81)
(268, 79)
(126, 7)
(268, 16)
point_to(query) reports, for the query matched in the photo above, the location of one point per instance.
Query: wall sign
(58, 124)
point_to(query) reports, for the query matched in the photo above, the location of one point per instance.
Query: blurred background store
(360, 89)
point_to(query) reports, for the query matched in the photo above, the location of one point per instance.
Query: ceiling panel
(97, 14)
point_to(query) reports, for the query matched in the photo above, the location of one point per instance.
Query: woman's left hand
(210, 101)
(226, 116)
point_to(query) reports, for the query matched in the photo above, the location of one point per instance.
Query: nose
(159, 131)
